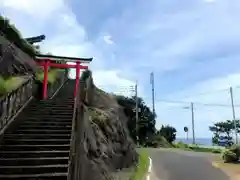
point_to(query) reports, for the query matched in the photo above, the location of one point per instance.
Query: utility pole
(193, 123)
(136, 96)
(153, 91)
(234, 117)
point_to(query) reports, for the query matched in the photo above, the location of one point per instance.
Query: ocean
(200, 141)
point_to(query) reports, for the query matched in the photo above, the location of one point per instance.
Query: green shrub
(13, 35)
(2, 86)
(142, 166)
(235, 149)
(10, 84)
(86, 74)
(52, 75)
(181, 145)
(229, 156)
(216, 151)
(157, 141)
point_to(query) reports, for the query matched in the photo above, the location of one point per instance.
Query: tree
(146, 118)
(169, 133)
(223, 131)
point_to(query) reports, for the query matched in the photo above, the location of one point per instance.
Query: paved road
(183, 165)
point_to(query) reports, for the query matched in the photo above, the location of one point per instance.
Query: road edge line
(149, 168)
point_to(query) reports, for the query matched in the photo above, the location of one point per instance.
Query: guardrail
(52, 89)
(12, 102)
(76, 157)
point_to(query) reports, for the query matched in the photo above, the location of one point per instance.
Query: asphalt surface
(183, 165)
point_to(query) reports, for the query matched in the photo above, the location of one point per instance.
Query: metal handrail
(12, 102)
(72, 153)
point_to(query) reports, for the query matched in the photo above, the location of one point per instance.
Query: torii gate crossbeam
(48, 61)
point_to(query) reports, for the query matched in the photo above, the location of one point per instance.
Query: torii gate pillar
(46, 64)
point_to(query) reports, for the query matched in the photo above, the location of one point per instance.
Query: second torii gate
(50, 61)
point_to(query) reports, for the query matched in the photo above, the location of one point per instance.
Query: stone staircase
(38, 145)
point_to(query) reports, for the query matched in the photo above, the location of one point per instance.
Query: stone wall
(103, 145)
(13, 60)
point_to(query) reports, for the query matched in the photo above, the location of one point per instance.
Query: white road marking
(149, 168)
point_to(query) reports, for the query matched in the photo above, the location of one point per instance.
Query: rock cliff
(108, 146)
(13, 61)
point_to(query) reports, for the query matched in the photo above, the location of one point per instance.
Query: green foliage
(13, 35)
(235, 149)
(142, 167)
(157, 141)
(2, 86)
(10, 84)
(85, 75)
(196, 148)
(232, 154)
(97, 114)
(52, 75)
(169, 133)
(228, 156)
(146, 118)
(180, 145)
(216, 151)
(224, 130)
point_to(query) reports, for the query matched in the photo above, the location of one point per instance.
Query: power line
(206, 93)
(199, 103)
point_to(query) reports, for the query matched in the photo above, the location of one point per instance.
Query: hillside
(108, 146)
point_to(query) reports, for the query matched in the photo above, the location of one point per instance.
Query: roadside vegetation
(52, 75)
(10, 84)
(232, 154)
(196, 148)
(142, 166)
(14, 35)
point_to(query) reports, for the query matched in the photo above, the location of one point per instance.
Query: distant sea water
(200, 141)
(203, 142)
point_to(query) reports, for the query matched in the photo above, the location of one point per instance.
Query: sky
(192, 46)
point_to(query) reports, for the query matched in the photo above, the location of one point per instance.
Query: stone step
(36, 141)
(52, 116)
(42, 122)
(55, 101)
(54, 111)
(59, 104)
(29, 147)
(49, 106)
(50, 113)
(36, 136)
(66, 99)
(62, 107)
(33, 154)
(48, 119)
(33, 161)
(36, 169)
(43, 176)
(43, 131)
(56, 127)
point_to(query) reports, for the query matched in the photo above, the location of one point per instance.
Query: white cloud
(213, 92)
(209, 1)
(64, 35)
(40, 8)
(108, 39)
(111, 81)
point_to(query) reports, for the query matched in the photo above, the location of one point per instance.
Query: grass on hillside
(10, 84)
(52, 75)
(196, 148)
(142, 166)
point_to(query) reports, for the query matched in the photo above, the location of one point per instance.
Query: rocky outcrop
(13, 61)
(107, 146)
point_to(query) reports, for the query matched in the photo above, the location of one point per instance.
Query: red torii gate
(50, 61)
